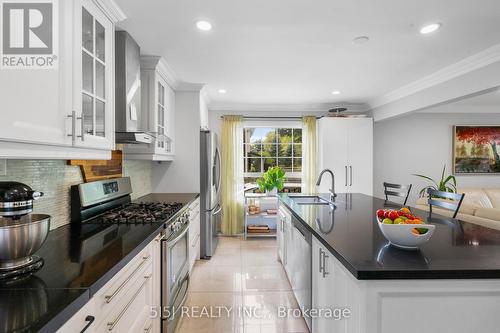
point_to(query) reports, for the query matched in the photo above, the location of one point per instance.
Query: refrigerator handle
(219, 171)
(218, 210)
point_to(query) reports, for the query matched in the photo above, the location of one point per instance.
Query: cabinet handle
(90, 320)
(350, 167)
(73, 126)
(82, 128)
(325, 273)
(346, 175)
(109, 298)
(158, 239)
(111, 325)
(148, 329)
(195, 240)
(321, 261)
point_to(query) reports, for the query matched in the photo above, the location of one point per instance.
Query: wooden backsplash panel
(93, 170)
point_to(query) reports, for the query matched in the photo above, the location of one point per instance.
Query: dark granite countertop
(74, 269)
(457, 250)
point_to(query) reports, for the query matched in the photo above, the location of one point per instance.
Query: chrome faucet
(332, 190)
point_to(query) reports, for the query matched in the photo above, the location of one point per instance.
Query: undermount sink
(309, 200)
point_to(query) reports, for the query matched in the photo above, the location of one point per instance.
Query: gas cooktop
(150, 212)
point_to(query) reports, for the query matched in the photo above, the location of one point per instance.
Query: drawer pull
(109, 298)
(148, 329)
(90, 320)
(111, 325)
(195, 240)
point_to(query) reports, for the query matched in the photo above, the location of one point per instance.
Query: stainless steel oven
(175, 271)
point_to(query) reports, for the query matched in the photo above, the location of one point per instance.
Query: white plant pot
(273, 192)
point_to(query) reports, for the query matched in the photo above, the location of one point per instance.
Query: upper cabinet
(158, 109)
(93, 79)
(345, 146)
(65, 110)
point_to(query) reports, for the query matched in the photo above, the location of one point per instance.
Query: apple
(387, 221)
(399, 220)
(380, 213)
(393, 215)
(386, 213)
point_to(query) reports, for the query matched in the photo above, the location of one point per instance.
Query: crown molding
(467, 65)
(160, 65)
(189, 86)
(112, 10)
(311, 107)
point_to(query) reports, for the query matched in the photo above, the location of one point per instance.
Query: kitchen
(134, 138)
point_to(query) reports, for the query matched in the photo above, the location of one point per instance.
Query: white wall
(183, 174)
(422, 143)
(215, 121)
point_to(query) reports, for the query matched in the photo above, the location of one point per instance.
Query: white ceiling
(298, 51)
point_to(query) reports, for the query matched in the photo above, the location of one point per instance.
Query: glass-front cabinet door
(164, 112)
(93, 81)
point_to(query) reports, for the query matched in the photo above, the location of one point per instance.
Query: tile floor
(244, 276)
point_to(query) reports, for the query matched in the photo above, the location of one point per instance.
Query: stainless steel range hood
(128, 116)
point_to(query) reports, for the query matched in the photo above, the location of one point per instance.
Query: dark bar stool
(454, 205)
(397, 190)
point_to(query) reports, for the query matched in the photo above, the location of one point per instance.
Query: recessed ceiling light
(361, 40)
(204, 25)
(335, 92)
(222, 91)
(427, 29)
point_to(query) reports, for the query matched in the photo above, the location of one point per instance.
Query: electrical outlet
(3, 167)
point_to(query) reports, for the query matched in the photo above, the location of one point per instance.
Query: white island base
(402, 306)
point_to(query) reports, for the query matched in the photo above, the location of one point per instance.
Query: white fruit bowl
(401, 235)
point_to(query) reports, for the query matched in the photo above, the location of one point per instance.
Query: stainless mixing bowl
(20, 238)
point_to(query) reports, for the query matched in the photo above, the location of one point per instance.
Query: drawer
(109, 296)
(194, 252)
(194, 231)
(135, 300)
(83, 321)
(144, 323)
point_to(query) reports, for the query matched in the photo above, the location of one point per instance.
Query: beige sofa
(480, 206)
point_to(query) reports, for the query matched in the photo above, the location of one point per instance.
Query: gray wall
(422, 143)
(54, 178)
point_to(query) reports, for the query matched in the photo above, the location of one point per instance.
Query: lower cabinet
(194, 233)
(125, 303)
(82, 321)
(333, 288)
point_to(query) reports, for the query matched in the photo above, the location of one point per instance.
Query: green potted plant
(272, 181)
(445, 184)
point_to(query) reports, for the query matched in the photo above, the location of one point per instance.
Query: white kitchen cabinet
(280, 235)
(333, 287)
(194, 232)
(67, 111)
(345, 145)
(82, 321)
(93, 76)
(155, 322)
(158, 108)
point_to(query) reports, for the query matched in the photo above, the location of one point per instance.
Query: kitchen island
(452, 284)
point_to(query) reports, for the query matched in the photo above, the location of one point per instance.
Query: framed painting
(476, 150)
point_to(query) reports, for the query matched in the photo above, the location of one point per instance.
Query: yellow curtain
(309, 154)
(232, 175)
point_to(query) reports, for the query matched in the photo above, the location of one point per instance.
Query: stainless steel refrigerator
(210, 184)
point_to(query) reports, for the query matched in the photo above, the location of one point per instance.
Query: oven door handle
(187, 278)
(182, 234)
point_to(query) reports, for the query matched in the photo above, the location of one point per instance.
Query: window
(265, 147)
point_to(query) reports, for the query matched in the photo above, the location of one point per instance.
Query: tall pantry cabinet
(345, 146)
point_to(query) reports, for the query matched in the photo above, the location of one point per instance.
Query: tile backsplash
(54, 178)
